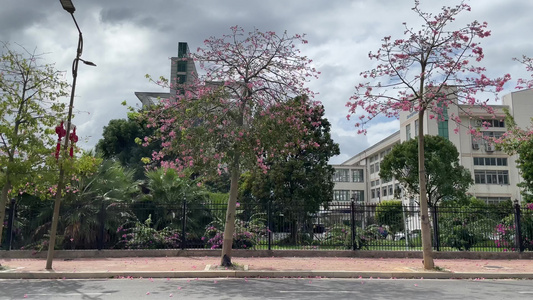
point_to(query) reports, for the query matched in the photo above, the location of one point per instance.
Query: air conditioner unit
(490, 147)
(475, 146)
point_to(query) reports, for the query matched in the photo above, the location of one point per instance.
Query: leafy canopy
(302, 180)
(445, 176)
(119, 142)
(29, 108)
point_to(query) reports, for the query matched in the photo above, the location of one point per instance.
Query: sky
(129, 39)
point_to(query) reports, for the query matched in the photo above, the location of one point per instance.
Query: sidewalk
(203, 267)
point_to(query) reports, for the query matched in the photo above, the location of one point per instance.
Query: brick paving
(156, 264)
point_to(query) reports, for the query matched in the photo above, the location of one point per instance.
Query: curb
(261, 274)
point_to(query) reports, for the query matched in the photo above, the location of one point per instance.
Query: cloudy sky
(128, 39)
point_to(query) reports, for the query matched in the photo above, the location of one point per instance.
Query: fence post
(10, 220)
(436, 235)
(183, 224)
(101, 220)
(405, 227)
(269, 225)
(352, 224)
(518, 227)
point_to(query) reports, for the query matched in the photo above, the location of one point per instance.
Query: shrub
(245, 237)
(143, 236)
(505, 231)
(390, 213)
(342, 235)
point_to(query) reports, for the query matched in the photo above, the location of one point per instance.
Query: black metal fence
(344, 225)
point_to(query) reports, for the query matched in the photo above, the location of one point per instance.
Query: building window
(341, 175)
(373, 193)
(341, 195)
(182, 66)
(377, 167)
(416, 127)
(494, 200)
(358, 195)
(442, 125)
(357, 176)
(493, 134)
(489, 123)
(491, 177)
(181, 79)
(490, 161)
(443, 129)
(182, 49)
(384, 191)
(372, 169)
(408, 132)
(391, 190)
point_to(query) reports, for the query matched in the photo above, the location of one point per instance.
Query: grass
(379, 245)
(234, 266)
(440, 269)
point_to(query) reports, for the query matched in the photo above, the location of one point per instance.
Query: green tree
(445, 177)
(29, 109)
(120, 142)
(296, 185)
(390, 212)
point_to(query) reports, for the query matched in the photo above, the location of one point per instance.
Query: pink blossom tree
(528, 63)
(430, 69)
(237, 115)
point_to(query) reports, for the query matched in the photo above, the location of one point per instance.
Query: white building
(495, 174)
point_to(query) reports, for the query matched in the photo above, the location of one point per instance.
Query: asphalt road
(293, 288)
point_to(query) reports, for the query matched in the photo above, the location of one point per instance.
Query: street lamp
(69, 7)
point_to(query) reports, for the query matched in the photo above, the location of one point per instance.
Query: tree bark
(3, 203)
(55, 220)
(424, 213)
(229, 227)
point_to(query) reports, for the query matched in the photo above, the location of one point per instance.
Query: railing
(339, 225)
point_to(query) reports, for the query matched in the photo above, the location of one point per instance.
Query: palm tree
(169, 191)
(97, 200)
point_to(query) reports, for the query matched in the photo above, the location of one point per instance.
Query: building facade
(182, 71)
(494, 173)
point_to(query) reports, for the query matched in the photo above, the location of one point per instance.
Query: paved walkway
(191, 267)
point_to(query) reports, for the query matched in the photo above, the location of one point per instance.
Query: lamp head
(68, 6)
(89, 63)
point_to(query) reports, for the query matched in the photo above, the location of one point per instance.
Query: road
(305, 288)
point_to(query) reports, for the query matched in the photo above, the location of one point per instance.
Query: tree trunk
(424, 214)
(229, 228)
(3, 203)
(55, 220)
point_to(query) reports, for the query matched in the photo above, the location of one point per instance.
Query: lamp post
(69, 7)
